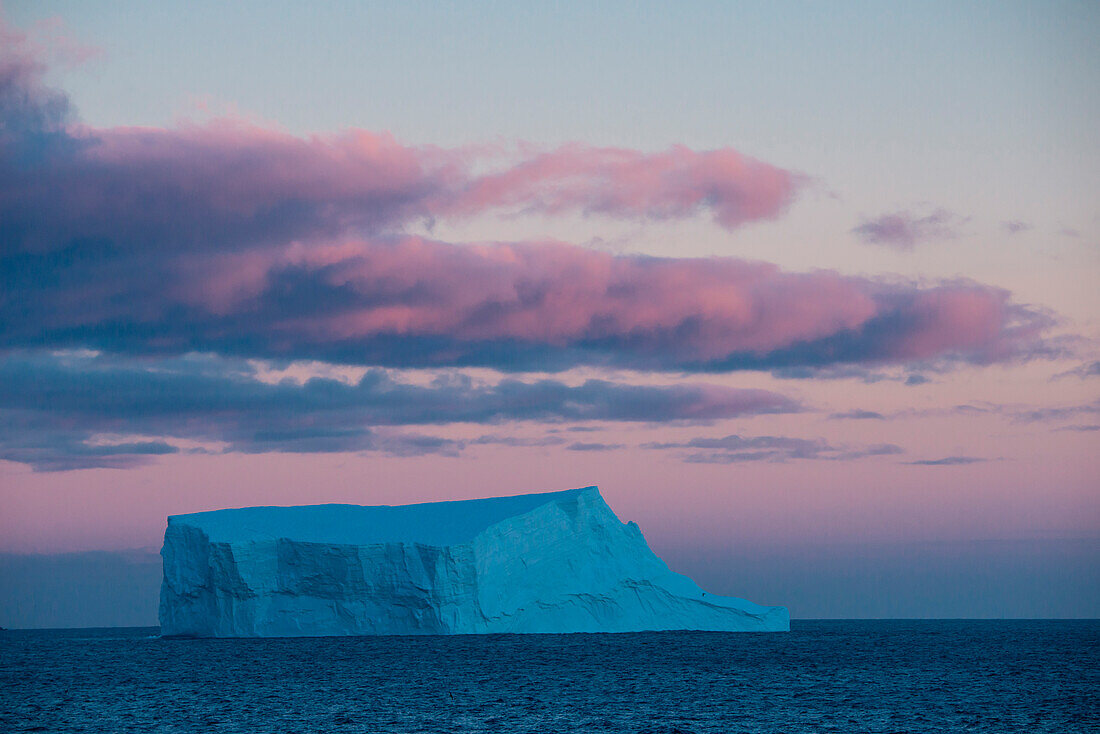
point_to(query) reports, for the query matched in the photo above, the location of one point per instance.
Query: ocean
(823, 676)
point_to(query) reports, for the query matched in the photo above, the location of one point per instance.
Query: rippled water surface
(852, 676)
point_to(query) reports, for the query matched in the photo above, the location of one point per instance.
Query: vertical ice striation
(555, 562)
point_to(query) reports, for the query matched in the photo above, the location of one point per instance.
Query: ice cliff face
(558, 562)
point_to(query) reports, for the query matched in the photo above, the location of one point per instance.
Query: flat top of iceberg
(430, 523)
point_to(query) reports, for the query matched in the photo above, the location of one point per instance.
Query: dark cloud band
(55, 410)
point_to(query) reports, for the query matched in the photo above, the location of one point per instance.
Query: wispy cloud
(1017, 413)
(903, 230)
(1088, 369)
(734, 449)
(582, 446)
(857, 415)
(491, 439)
(1057, 412)
(948, 461)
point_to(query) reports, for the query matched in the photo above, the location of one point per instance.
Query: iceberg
(551, 563)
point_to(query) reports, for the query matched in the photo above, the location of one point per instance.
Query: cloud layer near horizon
(232, 238)
(55, 410)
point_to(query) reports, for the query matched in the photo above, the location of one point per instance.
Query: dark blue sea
(835, 676)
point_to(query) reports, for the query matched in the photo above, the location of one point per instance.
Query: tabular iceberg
(554, 562)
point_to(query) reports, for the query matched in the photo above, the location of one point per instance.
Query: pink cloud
(238, 238)
(414, 301)
(672, 184)
(231, 184)
(561, 294)
(950, 318)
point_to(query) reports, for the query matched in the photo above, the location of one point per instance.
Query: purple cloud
(903, 230)
(1088, 369)
(735, 449)
(948, 461)
(415, 302)
(491, 439)
(1057, 412)
(857, 415)
(580, 446)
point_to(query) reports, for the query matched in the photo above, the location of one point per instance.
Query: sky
(793, 283)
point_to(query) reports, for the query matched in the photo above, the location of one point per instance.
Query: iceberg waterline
(552, 563)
